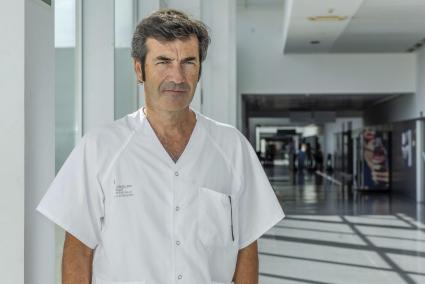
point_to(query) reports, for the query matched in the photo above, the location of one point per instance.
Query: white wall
(420, 81)
(39, 139)
(420, 161)
(98, 63)
(327, 74)
(404, 107)
(219, 70)
(191, 7)
(27, 144)
(420, 109)
(12, 142)
(262, 68)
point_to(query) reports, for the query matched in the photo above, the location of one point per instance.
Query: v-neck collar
(189, 148)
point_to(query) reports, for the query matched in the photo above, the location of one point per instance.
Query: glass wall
(126, 99)
(66, 102)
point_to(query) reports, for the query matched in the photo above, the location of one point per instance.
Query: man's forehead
(187, 46)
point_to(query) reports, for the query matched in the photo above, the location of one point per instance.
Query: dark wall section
(404, 159)
(397, 109)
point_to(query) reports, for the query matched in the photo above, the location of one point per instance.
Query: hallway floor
(334, 235)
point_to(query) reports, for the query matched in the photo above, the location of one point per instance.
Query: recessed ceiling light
(329, 18)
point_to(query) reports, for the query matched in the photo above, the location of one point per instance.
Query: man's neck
(166, 123)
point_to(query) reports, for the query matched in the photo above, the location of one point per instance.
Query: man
(165, 194)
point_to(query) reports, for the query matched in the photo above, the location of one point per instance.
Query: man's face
(171, 73)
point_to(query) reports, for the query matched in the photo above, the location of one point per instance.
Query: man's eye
(162, 62)
(190, 62)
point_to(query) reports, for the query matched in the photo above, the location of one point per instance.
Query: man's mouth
(175, 91)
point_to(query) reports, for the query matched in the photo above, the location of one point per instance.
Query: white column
(420, 161)
(27, 146)
(192, 8)
(39, 140)
(12, 127)
(144, 9)
(98, 62)
(219, 69)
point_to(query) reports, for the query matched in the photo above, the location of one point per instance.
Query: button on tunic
(152, 220)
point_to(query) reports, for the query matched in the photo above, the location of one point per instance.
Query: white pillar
(27, 146)
(420, 161)
(192, 8)
(144, 9)
(39, 140)
(12, 114)
(219, 69)
(98, 62)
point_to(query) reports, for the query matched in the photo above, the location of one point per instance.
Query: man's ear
(138, 69)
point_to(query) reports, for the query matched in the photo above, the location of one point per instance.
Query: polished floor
(332, 234)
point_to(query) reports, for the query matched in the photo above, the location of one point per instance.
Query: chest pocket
(216, 218)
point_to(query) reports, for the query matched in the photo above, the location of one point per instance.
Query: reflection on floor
(334, 235)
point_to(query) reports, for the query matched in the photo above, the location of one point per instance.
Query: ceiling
(371, 26)
(294, 103)
(384, 25)
(257, 3)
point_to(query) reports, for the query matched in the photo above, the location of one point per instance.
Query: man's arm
(77, 261)
(247, 265)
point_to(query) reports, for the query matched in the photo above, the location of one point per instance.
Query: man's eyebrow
(190, 58)
(163, 58)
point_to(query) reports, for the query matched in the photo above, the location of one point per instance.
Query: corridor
(334, 235)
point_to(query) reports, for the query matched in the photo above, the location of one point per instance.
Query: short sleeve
(259, 208)
(74, 200)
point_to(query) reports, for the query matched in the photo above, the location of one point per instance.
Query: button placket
(178, 260)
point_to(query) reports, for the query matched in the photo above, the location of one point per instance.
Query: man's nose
(176, 74)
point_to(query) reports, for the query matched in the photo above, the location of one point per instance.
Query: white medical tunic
(153, 220)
